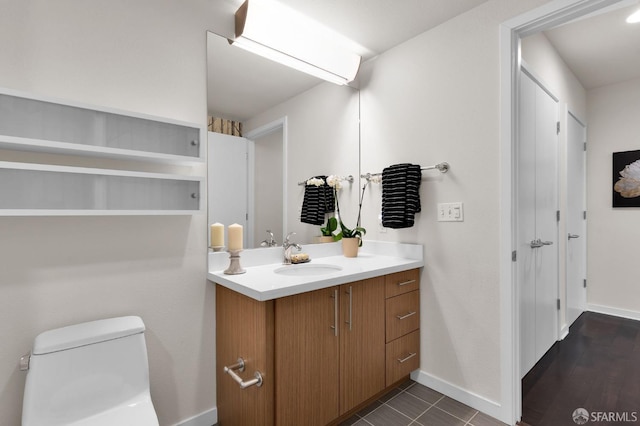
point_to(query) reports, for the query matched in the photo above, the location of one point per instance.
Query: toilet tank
(86, 370)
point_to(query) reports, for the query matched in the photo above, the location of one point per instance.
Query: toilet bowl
(89, 374)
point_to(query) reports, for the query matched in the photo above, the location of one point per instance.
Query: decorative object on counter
(217, 237)
(347, 233)
(400, 195)
(234, 263)
(235, 237)
(300, 258)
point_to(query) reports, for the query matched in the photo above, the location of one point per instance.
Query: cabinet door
(306, 343)
(362, 341)
(244, 328)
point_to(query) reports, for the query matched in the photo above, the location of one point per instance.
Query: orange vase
(350, 247)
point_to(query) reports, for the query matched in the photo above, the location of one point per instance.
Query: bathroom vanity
(321, 340)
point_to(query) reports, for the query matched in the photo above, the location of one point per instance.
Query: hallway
(596, 367)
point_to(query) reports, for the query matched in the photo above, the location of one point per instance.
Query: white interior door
(576, 220)
(228, 191)
(537, 251)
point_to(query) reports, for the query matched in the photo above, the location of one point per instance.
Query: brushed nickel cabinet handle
(335, 313)
(406, 282)
(408, 357)
(410, 314)
(350, 321)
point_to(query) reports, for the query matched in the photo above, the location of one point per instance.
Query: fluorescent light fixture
(280, 34)
(634, 18)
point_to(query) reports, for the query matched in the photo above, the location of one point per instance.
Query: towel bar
(442, 167)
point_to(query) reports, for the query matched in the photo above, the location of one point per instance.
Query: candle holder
(217, 248)
(234, 263)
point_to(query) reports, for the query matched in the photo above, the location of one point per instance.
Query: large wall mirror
(294, 127)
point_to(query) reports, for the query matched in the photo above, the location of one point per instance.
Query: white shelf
(43, 190)
(35, 123)
(39, 145)
(38, 124)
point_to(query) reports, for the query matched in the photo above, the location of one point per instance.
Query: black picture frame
(629, 199)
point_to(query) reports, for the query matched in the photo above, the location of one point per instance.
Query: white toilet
(95, 373)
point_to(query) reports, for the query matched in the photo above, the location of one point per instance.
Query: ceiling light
(276, 32)
(634, 17)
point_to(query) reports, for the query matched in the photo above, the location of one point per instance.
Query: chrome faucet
(287, 246)
(269, 242)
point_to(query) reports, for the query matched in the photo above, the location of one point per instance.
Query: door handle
(573, 236)
(539, 243)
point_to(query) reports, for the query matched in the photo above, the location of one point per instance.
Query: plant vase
(350, 246)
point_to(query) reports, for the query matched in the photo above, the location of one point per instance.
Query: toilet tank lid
(86, 333)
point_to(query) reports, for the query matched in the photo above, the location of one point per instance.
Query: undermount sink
(307, 269)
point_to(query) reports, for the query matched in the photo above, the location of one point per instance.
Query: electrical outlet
(450, 212)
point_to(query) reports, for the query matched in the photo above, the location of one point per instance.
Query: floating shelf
(38, 124)
(35, 190)
(30, 123)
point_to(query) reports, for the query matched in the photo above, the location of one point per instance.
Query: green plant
(328, 230)
(346, 232)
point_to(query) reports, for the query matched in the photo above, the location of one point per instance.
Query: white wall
(436, 98)
(545, 63)
(268, 187)
(322, 137)
(146, 56)
(613, 233)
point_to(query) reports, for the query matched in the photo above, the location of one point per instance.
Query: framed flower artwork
(626, 179)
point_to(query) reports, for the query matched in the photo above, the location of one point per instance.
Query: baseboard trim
(564, 332)
(206, 418)
(616, 312)
(473, 400)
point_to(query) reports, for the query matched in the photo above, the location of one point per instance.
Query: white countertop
(261, 282)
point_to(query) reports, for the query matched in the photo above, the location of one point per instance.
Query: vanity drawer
(403, 356)
(402, 314)
(402, 282)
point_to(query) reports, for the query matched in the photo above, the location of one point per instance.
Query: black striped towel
(400, 195)
(317, 201)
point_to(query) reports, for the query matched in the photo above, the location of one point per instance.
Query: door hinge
(558, 300)
(585, 146)
(584, 215)
(246, 215)
(557, 128)
(584, 283)
(514, 256)
(558, 215)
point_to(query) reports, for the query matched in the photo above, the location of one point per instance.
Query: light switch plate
(450, 212)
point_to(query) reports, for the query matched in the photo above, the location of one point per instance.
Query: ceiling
(242, 85)
(600, 49)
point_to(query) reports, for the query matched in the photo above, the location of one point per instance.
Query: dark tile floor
(596, 367)
(414, 404)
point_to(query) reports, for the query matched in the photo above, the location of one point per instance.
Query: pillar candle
(217, 235)
(235, 237)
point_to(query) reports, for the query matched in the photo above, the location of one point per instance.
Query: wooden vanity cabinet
(402, 324)
(321, 353)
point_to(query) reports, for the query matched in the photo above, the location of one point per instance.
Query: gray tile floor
(414, 404)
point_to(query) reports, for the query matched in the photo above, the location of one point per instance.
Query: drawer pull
(334, 327)
(406, 282)
(408, 357)
(410, 314)
(257, 379)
